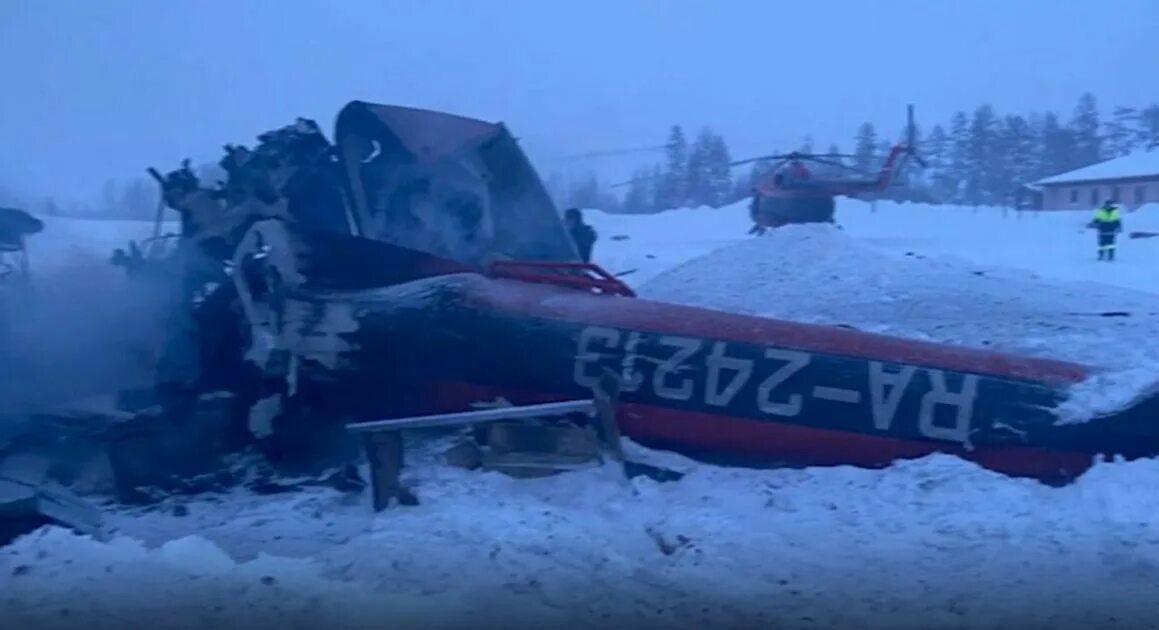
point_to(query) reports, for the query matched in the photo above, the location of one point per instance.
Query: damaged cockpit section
(276, 264)
(454, 187)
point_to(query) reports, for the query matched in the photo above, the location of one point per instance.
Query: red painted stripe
(649, 316)
(770, 441)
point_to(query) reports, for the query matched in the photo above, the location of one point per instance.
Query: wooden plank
(606, 395)
(477, 416)
(384, 452)
(516, 437)
(547, 461)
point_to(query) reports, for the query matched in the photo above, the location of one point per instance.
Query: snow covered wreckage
(416, 265)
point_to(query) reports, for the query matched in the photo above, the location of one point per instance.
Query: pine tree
(866, 148)
(1121, 132)
(697, 190)
(1035, 169)
(1015, 147)
(1057, 146)
(672, 189)
(640, 194)
(981, 157)
(657, 179)
(959, 159)
(718, 171)
(1084, 125)
(936, 151)
(1149, 128)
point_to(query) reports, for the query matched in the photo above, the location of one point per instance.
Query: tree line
(979, 157)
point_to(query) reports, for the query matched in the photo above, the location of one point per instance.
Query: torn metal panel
(29, 499)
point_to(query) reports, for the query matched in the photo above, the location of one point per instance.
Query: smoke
(81, 328)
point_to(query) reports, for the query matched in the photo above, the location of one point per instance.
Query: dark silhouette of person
(582, 233)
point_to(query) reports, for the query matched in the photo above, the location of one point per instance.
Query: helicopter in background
(792, 193)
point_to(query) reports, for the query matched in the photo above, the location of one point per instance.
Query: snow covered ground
(932, 543)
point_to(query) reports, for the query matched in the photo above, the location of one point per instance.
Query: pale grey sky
(99, 89)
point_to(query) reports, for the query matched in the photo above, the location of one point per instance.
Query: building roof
(1137, 164)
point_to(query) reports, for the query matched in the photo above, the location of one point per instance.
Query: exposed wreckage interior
(416, 265)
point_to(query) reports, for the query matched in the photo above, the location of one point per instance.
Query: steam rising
(80, 329)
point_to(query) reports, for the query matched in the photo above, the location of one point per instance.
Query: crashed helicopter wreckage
(417, 266)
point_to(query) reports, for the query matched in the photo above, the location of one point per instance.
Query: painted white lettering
(685, 348)
(962, 401)
(795, 362)
(631, 379)
(884, 403)
(717, 363)
(837, 394)
(588, 353)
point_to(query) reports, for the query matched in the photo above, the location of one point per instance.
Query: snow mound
(930, 543)
(819, 274)
(57, 579)
(647, 244)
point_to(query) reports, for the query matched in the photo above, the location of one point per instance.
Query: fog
(80, 329)
(100, 90)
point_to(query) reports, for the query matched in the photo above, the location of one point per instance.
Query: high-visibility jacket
(1107, 220)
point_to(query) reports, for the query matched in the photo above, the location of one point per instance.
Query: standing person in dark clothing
(1108, 224)
(582, 233)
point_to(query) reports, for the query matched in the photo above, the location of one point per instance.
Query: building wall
(1130, 194)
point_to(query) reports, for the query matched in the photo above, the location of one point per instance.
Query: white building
(1131, 180)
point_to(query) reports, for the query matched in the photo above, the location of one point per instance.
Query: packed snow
(931, 543)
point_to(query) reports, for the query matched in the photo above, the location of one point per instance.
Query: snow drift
(820, 274)
(935, 543)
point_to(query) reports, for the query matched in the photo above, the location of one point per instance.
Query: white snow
(931, 543)
(1143, 163)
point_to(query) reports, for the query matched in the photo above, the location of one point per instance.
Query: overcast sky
(99, 89)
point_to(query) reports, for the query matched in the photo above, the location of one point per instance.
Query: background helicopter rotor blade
(762, 158)
(911, 137)
(795, 155)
